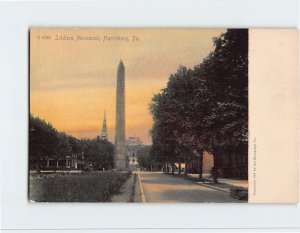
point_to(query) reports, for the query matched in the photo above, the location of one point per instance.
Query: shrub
(86, 187)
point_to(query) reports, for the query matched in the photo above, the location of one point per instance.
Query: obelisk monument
(120, 157)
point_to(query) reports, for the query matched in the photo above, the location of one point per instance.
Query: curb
(141, 189)
(205, 185)
(213, 187)
(125, 193)
(131, 199)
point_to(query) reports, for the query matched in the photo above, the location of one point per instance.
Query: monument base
(120, 165)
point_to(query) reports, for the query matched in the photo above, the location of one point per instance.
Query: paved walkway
(130, 191)
(164, 188)
(233, 182)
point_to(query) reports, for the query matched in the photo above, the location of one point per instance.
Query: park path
(160, 187)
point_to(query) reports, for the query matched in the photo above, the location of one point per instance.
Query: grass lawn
(87, 187)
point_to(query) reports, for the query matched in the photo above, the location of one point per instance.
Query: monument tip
(121, 64)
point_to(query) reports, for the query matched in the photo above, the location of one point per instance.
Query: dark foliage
(46, 142)
(88, 187)
(205, 108)
(98, 153)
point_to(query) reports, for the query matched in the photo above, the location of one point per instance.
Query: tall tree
(205, 108)
(98, 153)
(46, 142)
(43, 139)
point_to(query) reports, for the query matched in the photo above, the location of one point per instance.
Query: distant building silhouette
(133, 145)
(104, 132)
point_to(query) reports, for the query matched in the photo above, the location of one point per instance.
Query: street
(160, 187)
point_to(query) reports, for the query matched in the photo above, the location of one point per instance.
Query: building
(133, 145)
(104, 132)
(207, 164)
(230, 164)
(233, 162)
(66, 163)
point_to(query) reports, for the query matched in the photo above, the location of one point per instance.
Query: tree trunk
(200, 165)
(38, 168)
(215, 168)
(215, 175)
(172, 168)
(185, 169)
(56, 165)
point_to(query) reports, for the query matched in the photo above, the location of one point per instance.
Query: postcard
(163, 115)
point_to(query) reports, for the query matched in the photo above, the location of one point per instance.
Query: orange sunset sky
(72, 82)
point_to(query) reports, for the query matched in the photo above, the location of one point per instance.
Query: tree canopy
(206, 107)
(46, 142)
